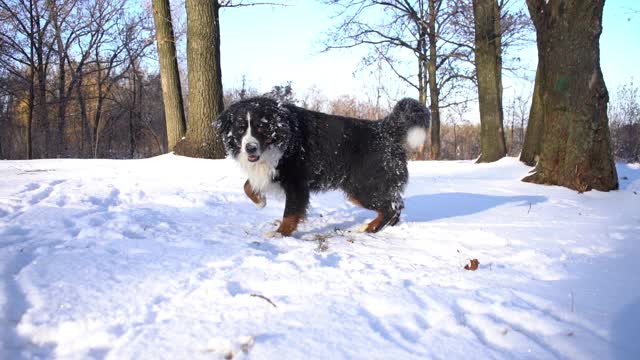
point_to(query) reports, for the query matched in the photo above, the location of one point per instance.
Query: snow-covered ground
(165, 258)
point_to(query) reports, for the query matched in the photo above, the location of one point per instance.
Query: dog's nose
(251, 148)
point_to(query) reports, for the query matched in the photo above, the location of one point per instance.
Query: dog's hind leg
(257, 198)
(374, 226)
(384, 218)
(388, 215)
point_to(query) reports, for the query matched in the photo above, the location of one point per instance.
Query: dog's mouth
(253, 158)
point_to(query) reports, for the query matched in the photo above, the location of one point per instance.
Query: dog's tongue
(253, 158)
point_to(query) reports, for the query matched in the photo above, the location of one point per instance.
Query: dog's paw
(273, 234)
(262, 203)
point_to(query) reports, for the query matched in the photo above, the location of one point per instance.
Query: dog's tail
(410, 122)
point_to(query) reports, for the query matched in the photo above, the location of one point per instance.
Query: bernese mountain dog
(298, 151)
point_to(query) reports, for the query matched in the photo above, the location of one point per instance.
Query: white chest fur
(262, 172)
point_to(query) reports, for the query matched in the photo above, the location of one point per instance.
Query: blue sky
(273, 45)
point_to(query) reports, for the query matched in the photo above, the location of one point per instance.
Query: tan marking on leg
(355, 201)
(375, 224)
(289, 224)
(257, 198)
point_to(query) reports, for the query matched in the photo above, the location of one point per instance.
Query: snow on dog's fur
(288, 148)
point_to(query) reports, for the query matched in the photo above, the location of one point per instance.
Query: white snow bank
(165, 258)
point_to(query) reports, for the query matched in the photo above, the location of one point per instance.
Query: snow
(165, 258)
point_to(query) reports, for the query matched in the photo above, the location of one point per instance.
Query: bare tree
(74, 39)
(453, 144)
(535, 127)
(234, 94)
(60, 13)
(26, 41)
(437, 34)
(169, 73)
(460, 137)
(488, 62)
(72, 80)
(495, 29)
(624, 119)
(64, 65)
(205, 98)
(205, 81)
(137, 39)
(576, 145)
(515, 31)
(282, 93)
(115, 52)
(517, 114)
(314, 100)
(422, 29)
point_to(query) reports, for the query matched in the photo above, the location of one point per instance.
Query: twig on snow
(265, 298)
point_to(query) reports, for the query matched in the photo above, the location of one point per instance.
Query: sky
(272, 45)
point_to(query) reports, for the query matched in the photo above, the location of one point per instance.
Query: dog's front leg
(294, 210)
(257, 198)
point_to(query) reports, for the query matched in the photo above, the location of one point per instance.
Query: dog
(298, 151)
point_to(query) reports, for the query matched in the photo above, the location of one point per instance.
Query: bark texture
(533, 135)
(488, 51)
(575, 150)
(434, 89)
(205, 81)
(169, 73)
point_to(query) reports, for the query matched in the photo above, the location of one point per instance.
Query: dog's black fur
(310, 151)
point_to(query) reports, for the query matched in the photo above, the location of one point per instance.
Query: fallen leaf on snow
(473, 265)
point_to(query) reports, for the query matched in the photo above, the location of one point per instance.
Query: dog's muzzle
(252, 150)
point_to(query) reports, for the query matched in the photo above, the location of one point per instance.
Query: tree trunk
(43, 129)
(61, 143)
(533, 136)
(169, 73)
(42, 141)
(423, 97)
(455, 143)
(435, 128)
(488, 51)
(576, 145)
(132, 112)
(434, 96)
(59, 136)
(86, 138)
(434, 91)
(31, 108)
(205, 81)
(97, 117)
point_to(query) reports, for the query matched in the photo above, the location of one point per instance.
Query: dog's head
(254, 128)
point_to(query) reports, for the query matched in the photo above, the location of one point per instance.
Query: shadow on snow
(423, 208)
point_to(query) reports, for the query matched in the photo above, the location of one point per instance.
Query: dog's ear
(283, 113)
(223, 124)
(287, 125)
